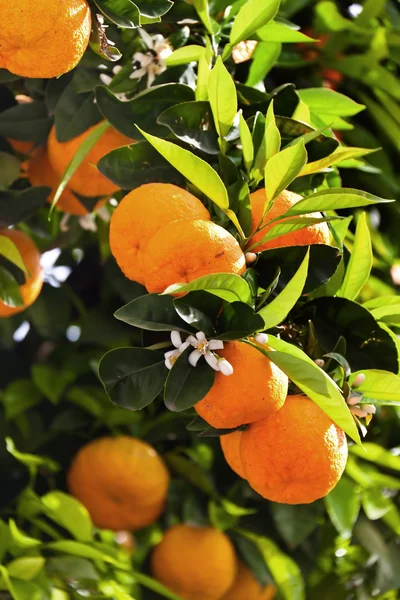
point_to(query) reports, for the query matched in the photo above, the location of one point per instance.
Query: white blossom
(152, 61)
(261, 338)
(202, 348)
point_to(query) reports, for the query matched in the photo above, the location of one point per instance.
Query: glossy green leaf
(193, 168)
(78, 158)
(26, 568)
(379, 386)
(277, 311)
(377, 454)
(285, 571)
(252, 16)
(227, 286)
(21, 539)
(193, 123)
(123, 13)
(187, 385)
(26, 122)
(292, 224)
(11, 252)
(10, 293)
(360, 264)
(295, 523)
(283, 168)
(133, 377)
(382, 302)
(263, 59)
(337, 157)
(314, 382)
(184, 55)
(247, 143)
(328, 102)
(85, 551)
(334, 199)
(153, 312)
(70, 514)
(281, 32)
(272, 133)
(202, 9)
(238, 320)
(199, 310)
(343, 505)
(388, 314)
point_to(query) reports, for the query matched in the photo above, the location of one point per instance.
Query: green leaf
(11, 252)
(19, 589)
(70, 514)
(75, 112)
(26, 568)
(193, 168)
(343, 505)
(184, 55)
(277, 311)
(152, 312)
(199, 310)
(16, 206)
(144, 109)
(9, 170)
(193, 123)
(314, 382)
(272, 133)
(328, 102)
(228, 286)
(32, 461)
(21, 539)
(150, 10)
(295, 523)
(10, 293)
(85, 551)
(51, 381)
(78, 158)
(337, 157)
(388, 314)
(28, 122)
(377, 454)
(283, 168)
(19, 396)
(264, 58)
(155, 586)
(281, 32)
(131, 166)
(285, 571)
(238, 320)
(333, 199)
(123, 13)
(360, 263)
(292, 224)
(379, 386)
(132, 377)
(247, 143)
(202, 9)
(187, 385)
(252, 16)
(375, 504)
(222, 98)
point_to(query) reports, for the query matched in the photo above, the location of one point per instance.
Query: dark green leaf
(343, 505)
(75, 113)
(26, 122)
(199, 310)
(154, 8)
(143, 110)
(238, 320)
(124, 13)
(10, 293)
(295, 523)
(368, 346)
(323, 263)
(192, 122)
(187, 385)
(133, 377)
(17, 206)
(132, 166)
(152, 312)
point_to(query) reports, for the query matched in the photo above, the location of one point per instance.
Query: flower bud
(319, 362)
(369, 408)
(261, 338)
(250, 257)
(358, 412)
(225, 367)
(359, 380)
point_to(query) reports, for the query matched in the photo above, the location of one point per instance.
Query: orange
(30, 255)
(44, 38)
(246, 587)
(87, 180)
(122, 481)
(21, 147)
(230, 445)
(313, 234)
(296, 455)
(184, 250)
(40, 172)
(140, 215)
(197, 563)
(256, 389)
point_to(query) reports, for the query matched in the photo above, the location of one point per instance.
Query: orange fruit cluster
(161, 235)
(44, 38)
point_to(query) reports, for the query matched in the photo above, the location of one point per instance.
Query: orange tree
(183, 401)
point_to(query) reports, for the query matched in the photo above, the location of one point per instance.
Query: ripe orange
(256, 389)
(184, 250)
(230, 445)
(21, 147)
(140, 215)
(296, 455)
(44, 38)
(87, 180)
(122, 481)
(246, 587)
(313, 234)
(30, 255)
(197, 563)
(40, 172)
